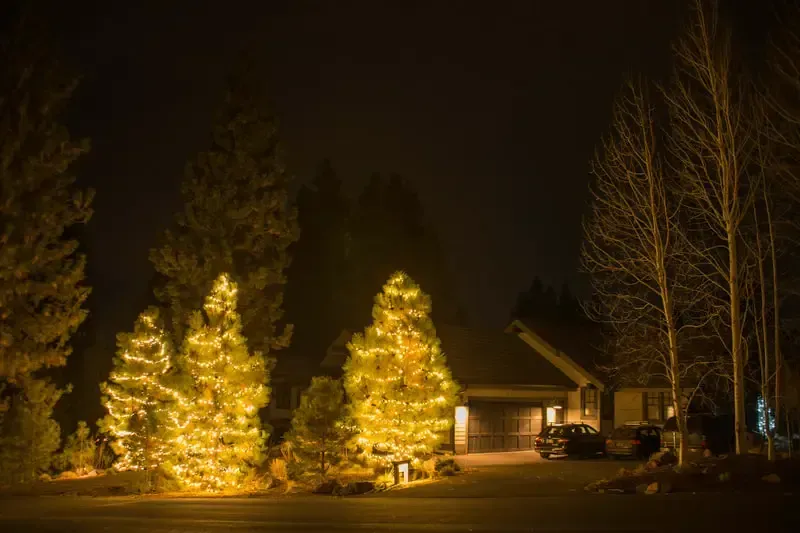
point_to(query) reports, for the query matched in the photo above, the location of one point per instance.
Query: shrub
(448, 463)
(317, 439)
(277, 469)
(448, 471)
(79, 451)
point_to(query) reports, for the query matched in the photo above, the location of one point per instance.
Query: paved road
(401, 515)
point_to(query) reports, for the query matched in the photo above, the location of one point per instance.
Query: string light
(401, 391)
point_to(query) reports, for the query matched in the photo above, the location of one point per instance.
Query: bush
(449, 464)
(317, 439)
(448, 471)
(429, 467)
(277, 469)
(79, 451)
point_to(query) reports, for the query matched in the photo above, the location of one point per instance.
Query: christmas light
(135, 396)
(401, 392)
(219, 435)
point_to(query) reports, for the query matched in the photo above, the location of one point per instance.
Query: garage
(502, 426)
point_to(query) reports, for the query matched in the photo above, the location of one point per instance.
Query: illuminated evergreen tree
(136, 394)
(319, 430)
(221, 438)
(400, 388)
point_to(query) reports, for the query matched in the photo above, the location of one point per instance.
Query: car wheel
(544, 455)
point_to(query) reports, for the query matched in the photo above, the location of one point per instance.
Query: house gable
(558, 358)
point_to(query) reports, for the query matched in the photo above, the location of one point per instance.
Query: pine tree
(41, 275)
(137, 394)
(319, 429)
(29, 435)
(79, 450)
(237, 218)
(400, 388)
(221, 439)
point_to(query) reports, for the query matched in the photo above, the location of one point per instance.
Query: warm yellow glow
(402, 469)
(551, 415)
(461, 414)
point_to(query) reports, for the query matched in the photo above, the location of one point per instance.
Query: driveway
(514, 475)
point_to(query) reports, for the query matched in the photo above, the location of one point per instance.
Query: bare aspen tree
(633, 251)
(712, 145)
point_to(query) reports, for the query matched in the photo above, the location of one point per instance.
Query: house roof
(478, 357)
(581, 340)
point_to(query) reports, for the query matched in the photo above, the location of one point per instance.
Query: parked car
(705, 432)
(569, 439)
(638, 440)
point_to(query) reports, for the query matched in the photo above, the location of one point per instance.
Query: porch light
(401, 469)
(461, 414)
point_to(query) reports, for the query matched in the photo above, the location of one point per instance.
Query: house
(513, 383)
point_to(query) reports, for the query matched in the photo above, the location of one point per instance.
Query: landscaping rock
(69, 474)
(641, 489)
(93, 473)
(45, 477)
(623, 472)
(352, 489)
(651, 465)
(327, 487)
(771, 478)
(652, 488)
(663, 458)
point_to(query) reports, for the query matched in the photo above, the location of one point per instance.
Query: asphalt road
(584, 512)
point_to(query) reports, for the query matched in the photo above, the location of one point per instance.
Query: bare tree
(712, 147)
(634, 252)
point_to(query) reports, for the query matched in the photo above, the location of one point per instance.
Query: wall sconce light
(401, 471)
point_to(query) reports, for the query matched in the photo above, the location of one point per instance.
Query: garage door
(497, 427)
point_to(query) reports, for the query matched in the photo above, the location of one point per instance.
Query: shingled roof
(478, 357)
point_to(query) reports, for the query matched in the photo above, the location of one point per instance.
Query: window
(653, 406)
(588, 402)
(658, 406)
(589, 430)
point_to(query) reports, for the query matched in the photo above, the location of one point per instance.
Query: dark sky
(492, 111)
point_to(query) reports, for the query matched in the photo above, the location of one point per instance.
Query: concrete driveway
(515, 475)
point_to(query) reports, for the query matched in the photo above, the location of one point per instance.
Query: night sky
(492, 111)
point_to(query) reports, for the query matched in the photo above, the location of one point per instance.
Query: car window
(555, 431)
(624, 433)
(589, 430)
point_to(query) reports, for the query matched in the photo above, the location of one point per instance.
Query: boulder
(771, 478)
(45, 477)
(663, 458)
(327, 487)
(652, 488)
(651, 465)
(93, 473)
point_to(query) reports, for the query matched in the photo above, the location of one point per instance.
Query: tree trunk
(736, 346)
(675, 384)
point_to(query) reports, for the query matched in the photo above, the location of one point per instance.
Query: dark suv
(636, 440)
(569, 439)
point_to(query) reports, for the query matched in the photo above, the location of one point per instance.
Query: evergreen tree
(29, 436)
(320, 270)
(396, 377)
(220, 438)
(319, 430)
(389, 232)
(79, 450)
(41, 274)
(137, 394)
(237, 218)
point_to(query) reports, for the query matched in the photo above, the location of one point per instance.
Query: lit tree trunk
(736, 349)
(776, 343)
